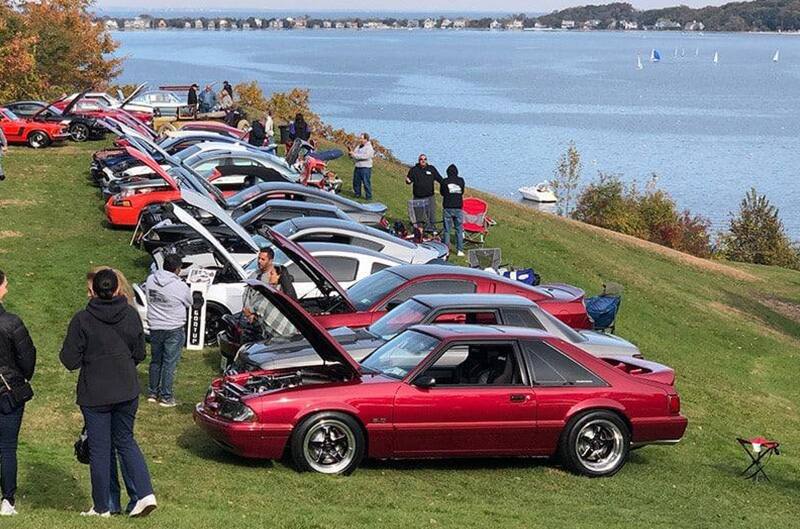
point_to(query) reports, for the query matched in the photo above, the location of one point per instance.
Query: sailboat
(697, 52)
(716, 57)
(777, 56)
(675, 55)
(683, 52)
(639, 62)
(655, 56)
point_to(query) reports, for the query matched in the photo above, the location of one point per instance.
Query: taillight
(123, 203)
(674, 404)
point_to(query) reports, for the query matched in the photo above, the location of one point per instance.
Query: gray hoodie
(168, 298)
(363, 155)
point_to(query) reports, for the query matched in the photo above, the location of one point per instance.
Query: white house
(629, 24)
(339, 25)
(429, 23)
(515, 25)
(694, 26)
(666, 24)
(187, 25)
(326, 24)
(445, 23)
(301, 23)
(198, 24)
(111, 25)
(460, 23)
(495, 25)
(276, 23)
(412, 23)
(567, 24)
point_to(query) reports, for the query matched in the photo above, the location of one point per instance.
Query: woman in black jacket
(106, 342)
(17, 362)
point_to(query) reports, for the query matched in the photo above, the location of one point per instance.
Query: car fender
(597, 404)
(318, 407)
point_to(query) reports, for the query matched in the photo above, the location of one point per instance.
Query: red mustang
(35, 134)
(444, 391)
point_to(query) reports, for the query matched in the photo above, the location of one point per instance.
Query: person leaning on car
(3, 150)
(168, 299)
(258, 132)
(191, 98)
(17, 363)
(105, 341)
(422, 178)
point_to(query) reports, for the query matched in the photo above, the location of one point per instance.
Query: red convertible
(35, 134)
(444, 391)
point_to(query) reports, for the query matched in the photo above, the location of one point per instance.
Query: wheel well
(618, 413)
(343, 412)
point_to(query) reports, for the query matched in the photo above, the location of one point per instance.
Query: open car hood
(210, 207)
(322, 279)
(325, 346)
(185, 217)
(71, 104)
(133, 94)
(153, 165)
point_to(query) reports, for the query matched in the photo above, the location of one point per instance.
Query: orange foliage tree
(52, 46)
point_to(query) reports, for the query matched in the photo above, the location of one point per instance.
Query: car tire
(214, 324)
(328, 443)
(38, 139)
(79, 132)
(595, 444)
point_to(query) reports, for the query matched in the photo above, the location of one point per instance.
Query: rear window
(371, 289)
(551, 367)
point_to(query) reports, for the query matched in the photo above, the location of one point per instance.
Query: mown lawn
(730, 331)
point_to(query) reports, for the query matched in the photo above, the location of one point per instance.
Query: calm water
(503, 106)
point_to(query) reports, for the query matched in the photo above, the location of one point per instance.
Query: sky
(432, 6)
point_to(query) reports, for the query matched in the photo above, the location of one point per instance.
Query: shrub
(756, 235)
(566, 177)
(608, 203)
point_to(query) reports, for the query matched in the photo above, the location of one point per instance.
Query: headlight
(65, 122)
(237, 412)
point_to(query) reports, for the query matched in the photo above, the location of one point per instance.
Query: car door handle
(518, 397)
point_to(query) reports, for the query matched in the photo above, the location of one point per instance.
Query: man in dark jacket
(422, 177)
(452, 190)
(258, 132)
(191, 99)
(17, 362)
(106, 342)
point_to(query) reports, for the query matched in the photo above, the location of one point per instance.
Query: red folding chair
(476, 221)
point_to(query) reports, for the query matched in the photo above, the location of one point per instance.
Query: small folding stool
(760, 451)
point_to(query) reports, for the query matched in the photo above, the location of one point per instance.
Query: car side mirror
(425, 381)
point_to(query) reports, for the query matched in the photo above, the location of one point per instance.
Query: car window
(400, 355)
(206, 168)
(342, 268)
(367, 243)
(551, 367)
(487, 364)
(377, 267)
(432, 286)
(521, 317)
(409, 313)
(472, 317)
(243, 162)
(559, 328)
(370, 290)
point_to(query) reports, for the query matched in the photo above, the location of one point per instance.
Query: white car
(163, 101)
(343, 264)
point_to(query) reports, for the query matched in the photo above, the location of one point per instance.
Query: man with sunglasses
(422, 178)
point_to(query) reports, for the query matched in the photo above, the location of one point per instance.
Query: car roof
(302, 223)
(349, 249)
(439, 301)
(413, 271)
(461, 331)
(26, 102)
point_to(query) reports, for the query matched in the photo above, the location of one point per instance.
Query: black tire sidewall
(79, 126)
(296, 449)
(217, 309)
(566, 449)
(44, 139)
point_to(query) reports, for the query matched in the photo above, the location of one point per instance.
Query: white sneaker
(6, 509)
(460, 254)
(92, 512)
(144, 506)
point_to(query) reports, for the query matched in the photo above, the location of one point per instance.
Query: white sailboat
(675, 55)
(716, 57)
(639, 65)
(777, 56)
(697, 52)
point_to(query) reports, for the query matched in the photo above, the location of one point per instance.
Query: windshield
(10, 115)
(404, 316)
(187, 152)
(371, 289)
(400, 355)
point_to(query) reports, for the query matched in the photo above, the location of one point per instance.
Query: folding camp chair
(760, 451)
(484, 258)
(418, 214)
(604, 308)
(476, 221)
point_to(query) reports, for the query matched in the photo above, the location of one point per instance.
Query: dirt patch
(786, 309)
(16, 202)
(9, 234)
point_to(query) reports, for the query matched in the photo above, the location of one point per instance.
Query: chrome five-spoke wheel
(599, 444)
(328, 443)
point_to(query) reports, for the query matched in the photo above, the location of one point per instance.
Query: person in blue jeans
(105, 342)
(168, 299)
(452, 190)
(17, 363)
(362, 154)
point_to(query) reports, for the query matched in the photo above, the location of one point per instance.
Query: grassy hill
(730, 331)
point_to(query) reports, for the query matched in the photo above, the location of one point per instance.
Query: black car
(81, 128)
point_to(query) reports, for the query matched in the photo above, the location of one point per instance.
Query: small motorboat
(541, 192)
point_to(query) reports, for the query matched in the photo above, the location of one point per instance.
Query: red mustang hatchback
(444, 391)
(35, 134)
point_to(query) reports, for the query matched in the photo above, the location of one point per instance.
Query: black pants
(109, 426)
(9, 434)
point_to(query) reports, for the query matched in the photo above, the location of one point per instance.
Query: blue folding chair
(603, 309)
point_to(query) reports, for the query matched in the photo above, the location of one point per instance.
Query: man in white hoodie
(362, 155)
(168, 299)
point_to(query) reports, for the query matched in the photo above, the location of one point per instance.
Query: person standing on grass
(3, 150)
(105, 341)
(17, 363)
(191, 98)
(362, 154)
(452, 190)
(422, 177)
(269, 126)
(168, 299)
(258, 132)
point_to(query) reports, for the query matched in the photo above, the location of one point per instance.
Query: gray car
(483, 309)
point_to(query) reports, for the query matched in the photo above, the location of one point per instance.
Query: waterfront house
(258, 23)
(629, 24)
(276, 23)
(301, 23)
(326, 24)
(539, 25)
(665, 24)
(198, 24)
(137, 23)
(494, 24)
(445, 23)
(339, 25)
(351, 24)
(460, 23)
(224, 24)
(412, 23)
(567, 24)
(187, 25)
(429, 23)
(211, 25)
(591, 24)
(694, 25)
(246, 25)
(515, 25)
(111, 25)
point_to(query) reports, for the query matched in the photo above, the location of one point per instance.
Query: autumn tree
(52, 46)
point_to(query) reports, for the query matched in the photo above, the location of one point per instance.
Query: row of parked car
(394, 352)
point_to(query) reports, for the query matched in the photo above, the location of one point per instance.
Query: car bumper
(658, 430)
(245, 439)
(121, 215)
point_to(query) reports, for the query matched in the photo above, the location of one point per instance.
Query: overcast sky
(432, 6)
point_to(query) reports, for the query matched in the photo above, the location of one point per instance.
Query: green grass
(734, 348)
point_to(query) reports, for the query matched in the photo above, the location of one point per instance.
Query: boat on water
(639, 65)
(716, 57)
(541, 192)
(777, 56)
(655, 56)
